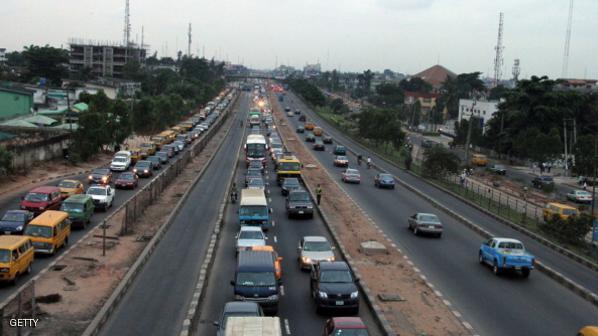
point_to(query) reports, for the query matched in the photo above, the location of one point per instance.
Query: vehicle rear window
(251, 235)
(37, 197)
(256, 279)
(316, 246)
(13, 217)
(510, 245)
(72, 207)
(335, 277)
(68, 184)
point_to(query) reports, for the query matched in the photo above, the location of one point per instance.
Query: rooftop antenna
(142, 37)
(516, 70)
(127, 29)
(567, 40)
(189, 41)
(498, 60)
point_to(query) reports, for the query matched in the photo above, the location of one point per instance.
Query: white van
(121, 161)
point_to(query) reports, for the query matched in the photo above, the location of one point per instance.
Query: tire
(526, 272)
(415, 231)
(28, 270)
(495, 268)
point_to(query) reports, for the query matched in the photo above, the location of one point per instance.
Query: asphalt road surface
(296, 308)
(505, 305)
(156, 303)
(41, 261)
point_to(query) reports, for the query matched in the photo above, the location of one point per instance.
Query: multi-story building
(104, 59)
(427, 100)
(312, 70)
(483, 110)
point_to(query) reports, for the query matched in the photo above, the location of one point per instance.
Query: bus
(255, 117)
(288, 166)
(255, 148)
(253, 208)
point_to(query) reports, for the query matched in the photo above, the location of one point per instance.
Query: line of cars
(47, 214)
(501, 254)
(258, 272)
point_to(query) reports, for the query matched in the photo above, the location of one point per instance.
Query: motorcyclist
(233, 193)
(369, 162)
(359, 157)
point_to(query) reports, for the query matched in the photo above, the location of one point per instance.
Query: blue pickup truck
(506, 254)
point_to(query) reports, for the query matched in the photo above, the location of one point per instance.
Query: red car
(126, 180)
(353, 326)
(41, 199)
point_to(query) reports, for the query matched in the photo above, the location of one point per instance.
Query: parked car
(126, 180)
(351, 176)
(341, 161)
(333, 287)
(580, 196)
(504, 254)
(384, 180)
(426, 223)
(41, 199)
(542, 181)
(299, 203)
(70, 187)
(143, 168)
(498, 169)
(288, 184)
(249, 236)
(100, 176)
(339, 150)
(237, 309)
(319, 145)
(327, 139)
(310, 137)
(156, 164)
(102, 195)
(350, 326)
(312, 250)
(15, 221)
(300, 129)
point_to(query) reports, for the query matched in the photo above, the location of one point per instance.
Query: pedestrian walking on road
(548, 167)
(541, 167)
(585, 185)
(318, 194)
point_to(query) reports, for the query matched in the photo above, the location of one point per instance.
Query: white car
(313, 249)
(121, 161)
(580, 196)
(102, 195)
(249, 236)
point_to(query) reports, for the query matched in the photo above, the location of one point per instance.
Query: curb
(557, 276)
(109, 306)
(190, 321)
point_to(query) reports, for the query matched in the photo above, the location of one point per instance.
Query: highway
(156, 303)
(296, 309)
(41, 261)
(505, 305)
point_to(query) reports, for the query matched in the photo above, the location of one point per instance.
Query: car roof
(45, 189)
(291, 179)
(77, 198)
(17, 211)
(237, 306)
(315, 239)
(334, 265)
(348, 322)
(70, 180)
(507, 240)
(143, 162)
(100, 170)
(251, 228)
(352, 170)
(427, 214)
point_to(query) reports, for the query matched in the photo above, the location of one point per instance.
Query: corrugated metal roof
(40, 120)
(18, 123)
(81, 107)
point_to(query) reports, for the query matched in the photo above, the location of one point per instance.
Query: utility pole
(565, 138)
(594, 219)
(468, 140)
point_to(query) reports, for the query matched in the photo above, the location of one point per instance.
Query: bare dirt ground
(421, 312)
(88, 278)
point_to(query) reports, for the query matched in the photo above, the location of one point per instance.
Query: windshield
(251, 235)
(68, 184)
(71, 207)
(253, 211)
(119, 159)
(510, 245)
(256, 150)
(256, 279)
(237, 314)
(385, 177)
(335, 277)
(142, 165)
(352, 172)
(100, 172)
(320, 246)
(127, 176)
(294, 166)
(38, 231)
(4, 256)
(96, 191)
(256, 182)
(13, 217)
(428, 218)
(37, 197)
(291, 182)
(569, 212)
(350, 332)
(341, 158)
(299, 196)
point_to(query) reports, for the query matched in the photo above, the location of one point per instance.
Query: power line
(567, 41)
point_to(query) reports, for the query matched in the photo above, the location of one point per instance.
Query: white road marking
(287, 327)
(275, 239)
(457, 314)
(273, 223)
(467, 325)
(446, 302)
(270, 199)
(271, 210)
(282, 290)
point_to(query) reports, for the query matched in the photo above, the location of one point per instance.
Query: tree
(16, 58)
(132, 70)
(415, 84)
(571, 230)
(5, 161)
(439, 161)
(461, 129)
(47, 62)
(585, 155)
(461, 87)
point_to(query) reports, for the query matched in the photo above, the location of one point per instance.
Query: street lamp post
(594, 219)
(468, 140)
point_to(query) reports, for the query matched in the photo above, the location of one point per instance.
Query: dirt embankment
(86, 278)
(420, 311)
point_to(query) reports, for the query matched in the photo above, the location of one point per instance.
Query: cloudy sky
(353, 35)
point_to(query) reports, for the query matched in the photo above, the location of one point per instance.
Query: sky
(351, 35)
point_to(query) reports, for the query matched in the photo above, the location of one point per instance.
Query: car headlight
(4, 270)
(330, 258)
(306, 260)
(19, 228)
(146, 171)
(90, 177)
(354, 295)
(134, 170)
(273, 297)
(41, 208)
(323, 295)
(239, 297)
(104, 178)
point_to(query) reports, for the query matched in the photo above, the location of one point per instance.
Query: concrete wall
(24, 157)
(14, 105)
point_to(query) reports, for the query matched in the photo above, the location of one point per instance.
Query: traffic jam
(46, 215)
(259, 276)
